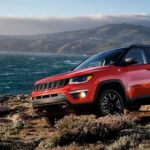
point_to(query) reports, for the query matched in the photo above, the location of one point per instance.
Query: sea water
(18, 73)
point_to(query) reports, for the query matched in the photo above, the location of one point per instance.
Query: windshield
(101, 59)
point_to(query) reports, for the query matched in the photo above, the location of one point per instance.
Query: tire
(134, 108)
(110, 102)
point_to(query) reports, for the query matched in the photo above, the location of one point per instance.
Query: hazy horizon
(47, 25)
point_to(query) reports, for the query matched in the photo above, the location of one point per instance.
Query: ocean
(18, 73)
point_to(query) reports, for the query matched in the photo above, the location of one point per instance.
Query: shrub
(87, 129)
(131, 140)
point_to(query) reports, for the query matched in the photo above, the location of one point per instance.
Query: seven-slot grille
(51, 85)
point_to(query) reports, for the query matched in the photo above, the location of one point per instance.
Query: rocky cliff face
(22, 129)
(87, 41)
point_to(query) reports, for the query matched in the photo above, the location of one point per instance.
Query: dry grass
(131, 140)
(87, 129)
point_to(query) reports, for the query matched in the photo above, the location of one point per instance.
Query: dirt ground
(21, 128)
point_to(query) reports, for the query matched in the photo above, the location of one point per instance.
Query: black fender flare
(105, 82)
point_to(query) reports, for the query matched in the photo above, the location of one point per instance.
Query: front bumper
(52, 106)
(49, 101)
(59, 106)
(69, 90)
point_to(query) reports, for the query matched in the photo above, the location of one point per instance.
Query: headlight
(81, 79)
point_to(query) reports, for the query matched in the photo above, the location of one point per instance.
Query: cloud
(43, 24)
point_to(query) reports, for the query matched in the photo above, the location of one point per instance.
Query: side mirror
(129, 61)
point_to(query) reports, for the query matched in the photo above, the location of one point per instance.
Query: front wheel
(110, 102)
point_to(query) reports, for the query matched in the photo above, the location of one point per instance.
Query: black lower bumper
(58, 106)
(49, 101)
(52, 106)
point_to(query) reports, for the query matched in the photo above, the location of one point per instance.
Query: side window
(137, 53)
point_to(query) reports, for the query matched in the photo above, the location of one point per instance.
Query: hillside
(78, 42)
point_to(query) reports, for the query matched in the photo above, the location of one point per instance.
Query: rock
(22, 98)
(4, 98)
(18, 120)
(18, 97)
(18, 124)
(4, 110)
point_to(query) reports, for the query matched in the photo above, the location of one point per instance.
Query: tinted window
(102, 59)
(137, 53)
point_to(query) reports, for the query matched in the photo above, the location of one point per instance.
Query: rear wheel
(110, 102)
(134, 107)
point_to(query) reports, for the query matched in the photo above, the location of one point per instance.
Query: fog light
(79, 94)
(83, 94)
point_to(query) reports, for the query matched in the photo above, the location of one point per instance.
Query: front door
(138, 75)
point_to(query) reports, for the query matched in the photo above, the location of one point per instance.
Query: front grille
(51, 85)
(45, 96)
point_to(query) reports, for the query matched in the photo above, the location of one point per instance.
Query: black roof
(128, 47)
(140, 45)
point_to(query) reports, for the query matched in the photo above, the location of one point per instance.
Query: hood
(72, 74)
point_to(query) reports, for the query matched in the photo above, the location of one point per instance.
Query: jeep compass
(103, 84)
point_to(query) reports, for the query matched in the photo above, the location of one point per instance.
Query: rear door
(138, 75)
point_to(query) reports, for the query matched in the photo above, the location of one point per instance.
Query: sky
(19, 17)
(72, 7)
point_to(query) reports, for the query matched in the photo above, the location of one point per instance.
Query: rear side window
(139, 54)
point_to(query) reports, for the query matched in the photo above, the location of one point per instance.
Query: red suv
(105, 83)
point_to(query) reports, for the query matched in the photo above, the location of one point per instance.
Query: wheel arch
(112, 84)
